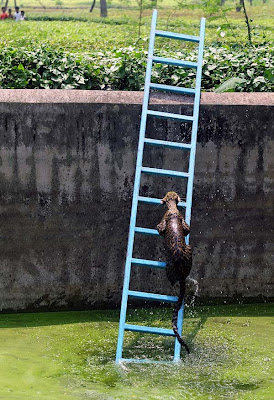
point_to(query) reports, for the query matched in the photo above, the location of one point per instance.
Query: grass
(69, 355)
(87, 32)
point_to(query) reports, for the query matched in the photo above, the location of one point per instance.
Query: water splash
(192, 288)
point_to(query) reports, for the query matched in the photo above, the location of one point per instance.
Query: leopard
(174, 228)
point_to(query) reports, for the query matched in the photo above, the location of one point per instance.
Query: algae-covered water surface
(70, 355)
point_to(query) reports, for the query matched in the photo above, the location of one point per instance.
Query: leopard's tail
(175, 315)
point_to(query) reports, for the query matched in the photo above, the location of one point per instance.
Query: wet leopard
(179, 255)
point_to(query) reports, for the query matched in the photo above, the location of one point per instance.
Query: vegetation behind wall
(66, 46)
(244, 69)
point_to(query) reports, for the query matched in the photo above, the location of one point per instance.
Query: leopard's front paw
(160, 228)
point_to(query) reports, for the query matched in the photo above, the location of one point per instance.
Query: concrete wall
(67, 161)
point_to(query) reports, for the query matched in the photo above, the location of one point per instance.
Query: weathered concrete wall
(67, 163)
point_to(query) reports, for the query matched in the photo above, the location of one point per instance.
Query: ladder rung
(164, 143)
(147, 231)
(173, 35)
(149, 329)
(169, 88)
(151, 200)
(185, 118)
(164, 172)
(148, 263)
(152, 296)
(171, 61)
(144, 360)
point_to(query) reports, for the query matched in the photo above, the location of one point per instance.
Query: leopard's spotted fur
(179, 255)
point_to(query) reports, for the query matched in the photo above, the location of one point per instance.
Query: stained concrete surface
(67, 172)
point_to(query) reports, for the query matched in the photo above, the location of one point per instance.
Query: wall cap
(123, 97)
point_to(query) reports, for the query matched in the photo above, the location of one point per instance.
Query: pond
(70, 355)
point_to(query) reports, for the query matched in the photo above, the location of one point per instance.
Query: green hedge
(124, 69)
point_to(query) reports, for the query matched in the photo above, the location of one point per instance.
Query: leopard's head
(171, 196)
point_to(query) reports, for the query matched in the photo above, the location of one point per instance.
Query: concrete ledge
(122, 97)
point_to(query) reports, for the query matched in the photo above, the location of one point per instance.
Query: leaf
(250, 73)
(259, 79)
(229, 85)
(211, 67)
(269, 75)
(21, 67)
(67, 86)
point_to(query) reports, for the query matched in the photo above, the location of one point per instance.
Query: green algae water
(70, 355)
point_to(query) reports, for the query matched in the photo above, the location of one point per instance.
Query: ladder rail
(136, 190)
(191, 165)
(197, 95)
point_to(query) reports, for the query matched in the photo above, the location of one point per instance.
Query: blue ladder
(140, 169)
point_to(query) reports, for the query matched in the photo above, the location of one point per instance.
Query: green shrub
(124, 68)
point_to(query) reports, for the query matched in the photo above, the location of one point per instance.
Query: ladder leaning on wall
(140, 169)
